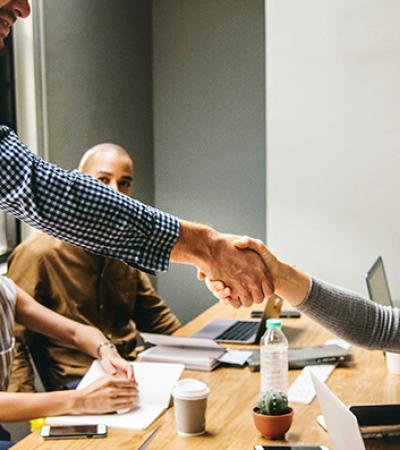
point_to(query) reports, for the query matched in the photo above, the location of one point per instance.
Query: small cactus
(273, 403)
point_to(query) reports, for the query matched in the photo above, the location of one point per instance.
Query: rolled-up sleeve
(82, 211)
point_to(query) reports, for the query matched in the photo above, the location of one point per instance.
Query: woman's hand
(289, 282)
(106, 395)
(113, 364)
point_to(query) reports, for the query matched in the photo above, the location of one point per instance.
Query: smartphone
(282, 314)
(290, 447)
(73, 431)
(289, 314)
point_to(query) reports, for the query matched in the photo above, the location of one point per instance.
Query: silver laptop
(241, 331)
(341, 423)
(378, 287)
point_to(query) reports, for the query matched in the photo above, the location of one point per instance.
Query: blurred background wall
(180, 84)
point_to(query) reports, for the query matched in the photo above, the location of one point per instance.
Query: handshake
(253, 277)
(239, 271)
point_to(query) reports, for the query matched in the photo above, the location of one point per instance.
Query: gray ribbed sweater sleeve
(353, 317)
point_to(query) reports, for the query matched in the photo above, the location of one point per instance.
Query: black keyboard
(239, 331)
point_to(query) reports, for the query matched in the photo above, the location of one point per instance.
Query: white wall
(333, 136)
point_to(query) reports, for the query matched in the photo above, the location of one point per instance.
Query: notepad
(156, 382)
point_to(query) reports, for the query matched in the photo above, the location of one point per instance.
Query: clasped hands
(248, 276)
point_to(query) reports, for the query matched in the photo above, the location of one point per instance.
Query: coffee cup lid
(190, 389)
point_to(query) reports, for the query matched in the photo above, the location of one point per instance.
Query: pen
(149, 438)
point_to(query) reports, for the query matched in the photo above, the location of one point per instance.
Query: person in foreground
(76, 209)
(90, 289)
(115, 391)
(345, 313)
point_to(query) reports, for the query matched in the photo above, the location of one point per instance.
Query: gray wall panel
(205, 109)
(98, 69)
(209, 124)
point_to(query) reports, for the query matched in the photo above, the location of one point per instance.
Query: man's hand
(216, 256)
(242, 270)
(289, 282)
(222, 291)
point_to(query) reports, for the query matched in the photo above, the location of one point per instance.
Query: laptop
(378, 287)
(341, 423)
(300, 357)
(241, 331)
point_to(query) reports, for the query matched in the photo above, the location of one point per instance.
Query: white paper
(155, 384)
(302, 389)
(238, 357)
(339, 342)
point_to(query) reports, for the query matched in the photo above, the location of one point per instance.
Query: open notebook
(154, 396)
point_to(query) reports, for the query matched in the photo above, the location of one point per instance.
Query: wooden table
(233, 394)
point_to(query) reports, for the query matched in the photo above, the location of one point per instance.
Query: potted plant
(272, 415)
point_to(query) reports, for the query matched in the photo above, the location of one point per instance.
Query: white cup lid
(190, 389)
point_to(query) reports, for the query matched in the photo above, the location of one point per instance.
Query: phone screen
(73, 430)
(290, 314)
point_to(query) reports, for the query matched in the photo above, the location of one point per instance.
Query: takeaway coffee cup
(393, 362)
(190, 403)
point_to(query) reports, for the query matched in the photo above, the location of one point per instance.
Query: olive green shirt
(90, 289)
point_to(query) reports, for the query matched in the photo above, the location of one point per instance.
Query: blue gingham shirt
(82, 211)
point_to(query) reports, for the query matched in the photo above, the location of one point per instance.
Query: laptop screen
(378, 287)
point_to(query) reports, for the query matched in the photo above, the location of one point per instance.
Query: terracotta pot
(272, 427)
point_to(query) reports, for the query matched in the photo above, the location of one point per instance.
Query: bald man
(91, 289)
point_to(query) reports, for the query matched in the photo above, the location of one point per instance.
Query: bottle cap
(274, 323)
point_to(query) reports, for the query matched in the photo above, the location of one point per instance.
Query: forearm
(82, 211)
(42, 320)
(352, 317)
(345, 313)
(194, 245)
(87, 339)
(15, 407)
(290, 283)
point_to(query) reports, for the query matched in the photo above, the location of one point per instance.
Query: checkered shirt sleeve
(82, 211)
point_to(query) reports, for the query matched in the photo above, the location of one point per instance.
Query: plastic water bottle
(274, 358)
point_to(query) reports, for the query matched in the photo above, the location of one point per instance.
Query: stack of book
(195, 354)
